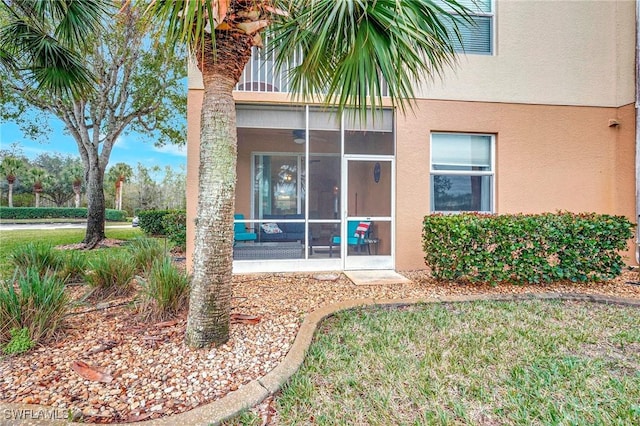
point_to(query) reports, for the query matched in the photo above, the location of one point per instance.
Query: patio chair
(240, 231)
(358, 234)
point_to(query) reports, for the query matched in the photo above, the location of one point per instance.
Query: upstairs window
(477, 38)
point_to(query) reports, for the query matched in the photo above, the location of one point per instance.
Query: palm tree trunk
(37, 199)
(77, 199)
(120, 195)
(95, 206)
(210, 300)
(10, 195)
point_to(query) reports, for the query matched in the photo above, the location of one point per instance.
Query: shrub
(74, 266)
(150, 221)
(24, 200)
(56, 213)
(40, 256)
(37, 303)
(110, 274)
(113, 215)
(165, 289)
(143, 251)
(525, 248)
(20, 342)
(175, 227)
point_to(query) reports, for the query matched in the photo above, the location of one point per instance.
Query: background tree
(147, 193)
(139, 88)
(173, 189)
(59, 189)
(37, 178)
(150, 188)
(351, 50)
(10, 168)
(117, 175)
(74, 175)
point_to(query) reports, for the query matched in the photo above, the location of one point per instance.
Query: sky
(131, 149)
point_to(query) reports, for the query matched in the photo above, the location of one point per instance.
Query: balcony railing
(259, 74)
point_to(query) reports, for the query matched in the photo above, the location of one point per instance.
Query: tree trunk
(120, 195)
(77, 198)
(210, 301)
(208, 320)
(115, 196)
(10, 195)
(37, 199)
(95, 205)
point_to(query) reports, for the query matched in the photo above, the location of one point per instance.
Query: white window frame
(491, 173)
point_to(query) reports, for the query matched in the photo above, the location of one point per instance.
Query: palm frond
(185, 21)
(45, 39)
(356, 50)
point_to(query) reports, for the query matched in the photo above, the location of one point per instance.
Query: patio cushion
(290, 231)
(362, 229)
(239, 230)
(271, 228)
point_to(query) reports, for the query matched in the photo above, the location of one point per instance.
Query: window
(278, 186)
(462, 172)
(476, 38)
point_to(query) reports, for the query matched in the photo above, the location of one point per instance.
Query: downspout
(638, 131)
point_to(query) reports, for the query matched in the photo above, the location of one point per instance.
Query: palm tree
(123, 172)
(49, 36)
(75, 175)
(10, 167)
(350, 50)
(37, 176)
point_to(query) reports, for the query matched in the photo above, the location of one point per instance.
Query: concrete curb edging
(257, 390)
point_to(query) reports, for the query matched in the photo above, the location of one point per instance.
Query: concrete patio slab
(376, 277)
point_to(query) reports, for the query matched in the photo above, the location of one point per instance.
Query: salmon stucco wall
(548, 158)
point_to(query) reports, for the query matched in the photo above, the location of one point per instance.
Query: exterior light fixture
(299, 136)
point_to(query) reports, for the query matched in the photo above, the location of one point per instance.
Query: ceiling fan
(299, 136)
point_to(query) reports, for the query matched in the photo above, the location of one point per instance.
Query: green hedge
(525, 248)
(56, 213)
(175, 227)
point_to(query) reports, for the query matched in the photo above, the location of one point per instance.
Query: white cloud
(121, 143)
(171, 149)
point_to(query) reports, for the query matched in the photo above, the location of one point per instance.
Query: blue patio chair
(240, 231)
(358, 234)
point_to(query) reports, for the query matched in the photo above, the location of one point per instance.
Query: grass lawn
(9, 240)
(484, 363)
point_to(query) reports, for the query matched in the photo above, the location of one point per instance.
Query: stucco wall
(550, 52)
(561, 70)
(560, 52)
(548, 158)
